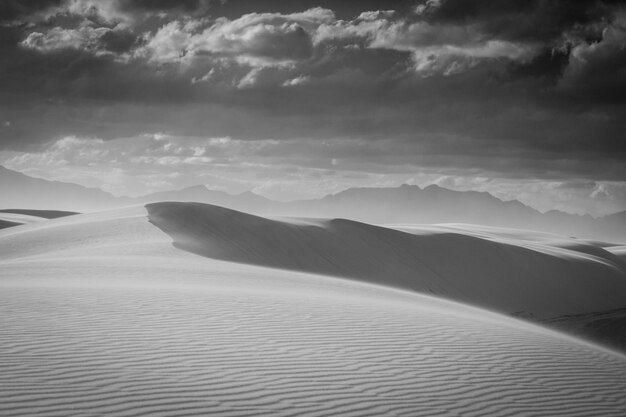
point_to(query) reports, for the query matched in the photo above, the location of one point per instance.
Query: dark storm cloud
(597, 72)
(171, 8)
(11, 10)
(549, 63)
(344, 9)
(530, 20)
(119, 41)
(166, 5)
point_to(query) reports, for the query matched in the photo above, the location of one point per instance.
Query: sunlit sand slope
(76, 347)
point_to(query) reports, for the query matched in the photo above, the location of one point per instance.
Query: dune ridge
(534, 276)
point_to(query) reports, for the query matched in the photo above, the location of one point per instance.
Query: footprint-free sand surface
(100, 315)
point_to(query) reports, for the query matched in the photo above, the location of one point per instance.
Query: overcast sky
(525, 99)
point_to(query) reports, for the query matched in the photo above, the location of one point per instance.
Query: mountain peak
(197, 187)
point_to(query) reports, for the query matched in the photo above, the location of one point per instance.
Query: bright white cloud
(299, 80)
(169, 44)
(277, 49)
(261, 39)
(84, 37)
(437, 48)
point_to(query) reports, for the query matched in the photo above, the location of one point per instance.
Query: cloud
(597, 71)
(86, 38)
(119, 41)
(435, 48)
(284, 40)
(15, 10)
(132, 12)
(94, 11)
(267, 39)
(299, 80)
(529, 21)
(169, 43)
(185, 6)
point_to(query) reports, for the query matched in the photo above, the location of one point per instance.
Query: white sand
(101, 316)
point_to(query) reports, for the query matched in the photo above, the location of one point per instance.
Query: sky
(525, 99)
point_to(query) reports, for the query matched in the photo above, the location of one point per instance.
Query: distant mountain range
(23, 192)
(404, 204)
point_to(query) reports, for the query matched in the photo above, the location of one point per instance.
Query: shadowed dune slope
(619, 251)
(16, 219)
(6, 223)
(531, 278)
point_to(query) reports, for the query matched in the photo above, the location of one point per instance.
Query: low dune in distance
(16, 217)
(12, 219)
(102, 315)
(44, 214)
(8, 223)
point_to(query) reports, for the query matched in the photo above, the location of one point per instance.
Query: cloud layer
(518, 90)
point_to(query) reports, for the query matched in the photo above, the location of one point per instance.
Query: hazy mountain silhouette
(20, 191)
(619, 217)
(247, 201)
(433, 204)
(404, 204)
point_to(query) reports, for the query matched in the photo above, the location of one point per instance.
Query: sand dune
(20, 218)
(606, 327)
(12, 219)
(44, 214)
(6, 223)
(101, 315)
(16, 217)
(619, 251)
(542, 276)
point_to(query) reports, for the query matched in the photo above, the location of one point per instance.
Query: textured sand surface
(221, 348)
(102, 316)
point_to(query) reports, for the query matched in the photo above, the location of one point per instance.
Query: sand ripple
(80, 351)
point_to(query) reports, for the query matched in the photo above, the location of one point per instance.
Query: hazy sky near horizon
(525, 99)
